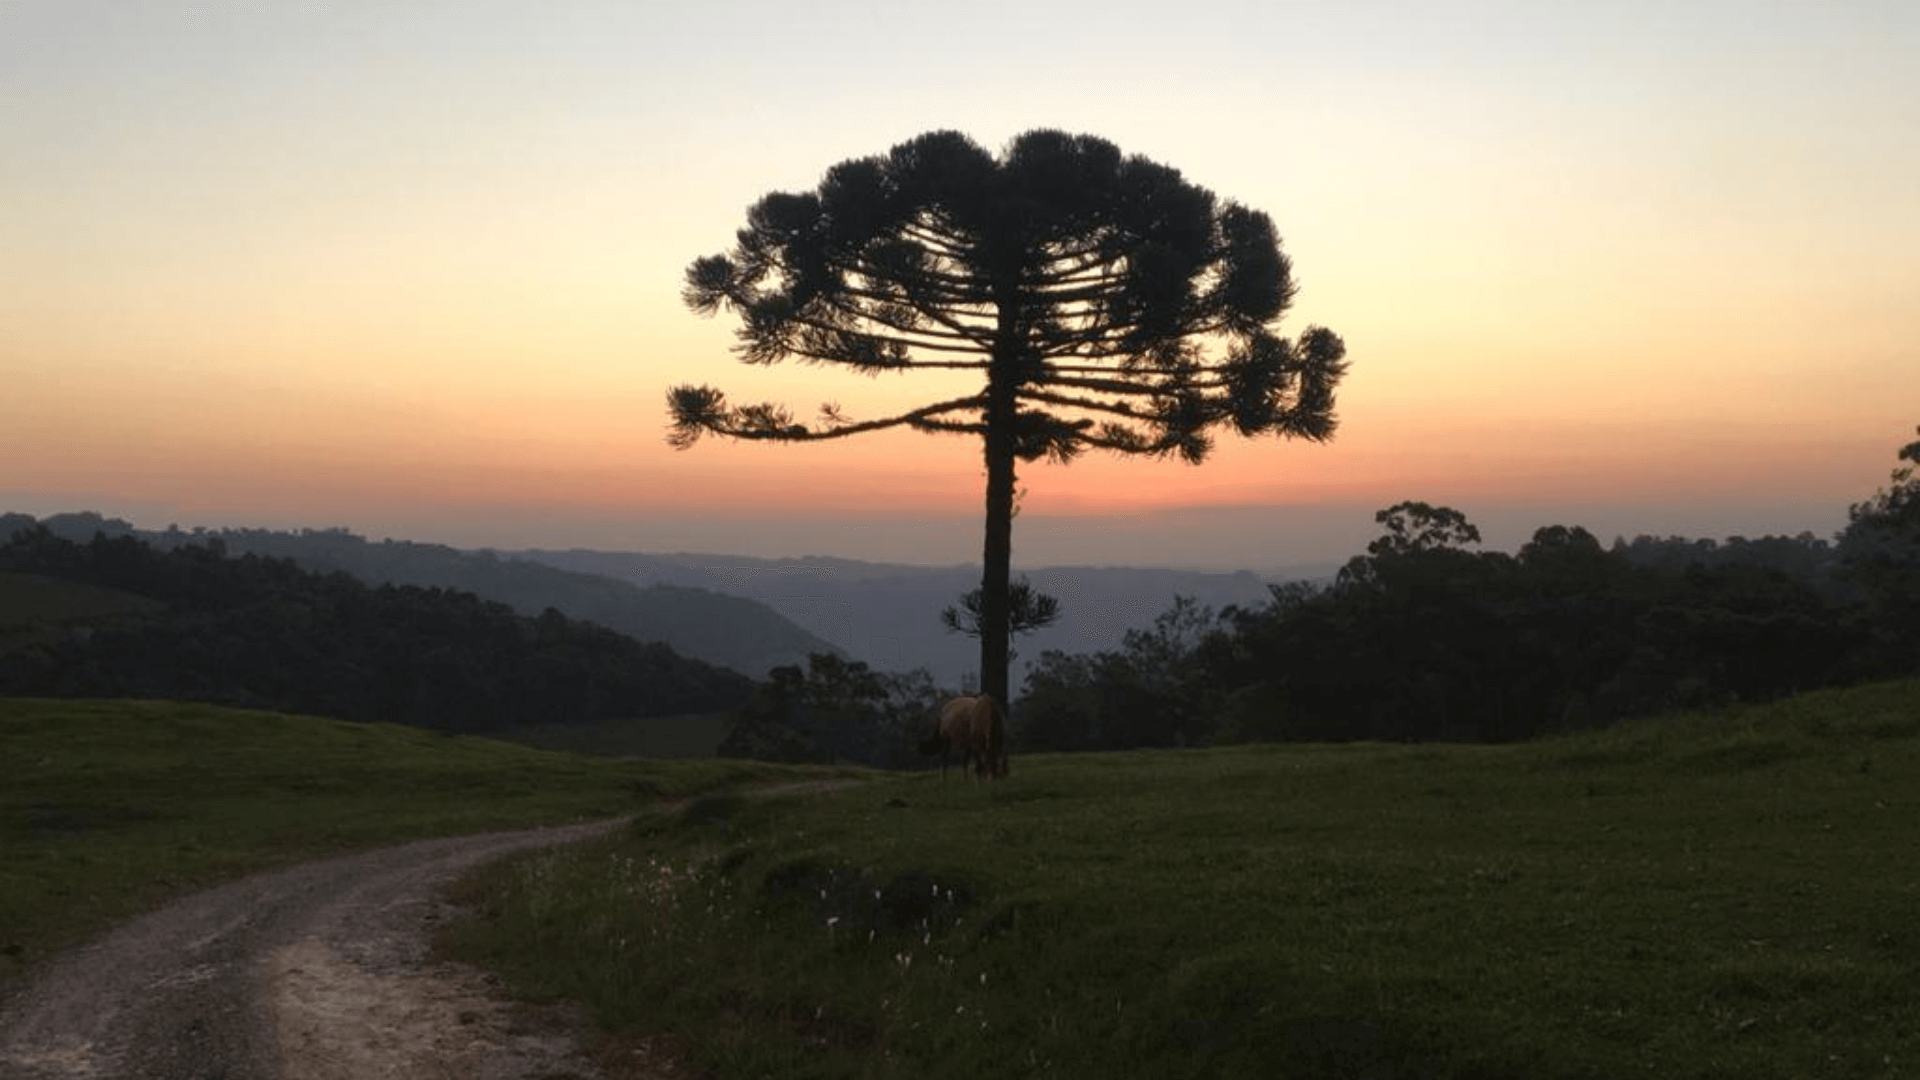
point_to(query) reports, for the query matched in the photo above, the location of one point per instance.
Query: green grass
(109, 807)
(1732, 895)
(682, 736)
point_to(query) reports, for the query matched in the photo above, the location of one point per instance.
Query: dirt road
(317, 971)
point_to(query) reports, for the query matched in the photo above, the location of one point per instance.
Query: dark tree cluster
(1150, 692)
(1424, 639)
(261, 632)
(836, 711)
(1880, 554)
(731, 631)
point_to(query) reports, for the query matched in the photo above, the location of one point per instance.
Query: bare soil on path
(319, 971)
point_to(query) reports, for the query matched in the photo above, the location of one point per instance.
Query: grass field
(108, 807)
(1733, 895)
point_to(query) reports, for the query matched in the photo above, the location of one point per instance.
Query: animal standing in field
(977, 727)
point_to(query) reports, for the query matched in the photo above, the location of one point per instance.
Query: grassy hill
(109, 807)
(1704, 895)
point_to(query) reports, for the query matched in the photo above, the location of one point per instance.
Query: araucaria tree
(1105, 302)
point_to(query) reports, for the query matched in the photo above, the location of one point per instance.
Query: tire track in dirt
(320, 971)
(315, 971)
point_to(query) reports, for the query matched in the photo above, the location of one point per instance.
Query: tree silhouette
(1880, 550)
(1105, 302)
(1027, 610)
(1414, 529)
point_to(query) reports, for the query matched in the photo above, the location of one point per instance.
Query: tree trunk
(997, 557)
(1002, 439)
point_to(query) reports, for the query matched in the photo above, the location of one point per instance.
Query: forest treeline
(1423, 638)
(731, 631)
(262, 632)
(1420, 638)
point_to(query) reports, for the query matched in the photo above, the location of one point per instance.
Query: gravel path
(321, 970)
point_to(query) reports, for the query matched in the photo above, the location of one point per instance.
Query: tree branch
(700, 410)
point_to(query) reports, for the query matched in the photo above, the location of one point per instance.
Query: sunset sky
(414, 268)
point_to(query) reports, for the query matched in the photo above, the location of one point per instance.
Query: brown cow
(977, 727)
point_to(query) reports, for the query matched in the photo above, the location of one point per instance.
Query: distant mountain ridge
(118, 617)
(716, 626)
(748, 613)
(887, 614)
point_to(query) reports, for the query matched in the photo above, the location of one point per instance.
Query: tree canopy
(1106, 302)
(194, 624)
(1880, 548)
(1427, 640)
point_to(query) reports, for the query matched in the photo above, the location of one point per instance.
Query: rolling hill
(888, 614)
(121, 618)
(718, 627)
(1722, 894)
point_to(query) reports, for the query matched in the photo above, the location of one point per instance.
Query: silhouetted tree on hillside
(1103, 300)
(1421, 638)
(1880, 551)
(835, 710)
(1155, 690)
(1028, 610)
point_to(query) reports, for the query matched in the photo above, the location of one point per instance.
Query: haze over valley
(744, 613)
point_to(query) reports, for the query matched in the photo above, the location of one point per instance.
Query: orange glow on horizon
(333, 261)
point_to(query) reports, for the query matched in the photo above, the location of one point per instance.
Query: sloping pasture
(1710, 895)
(110, 807)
